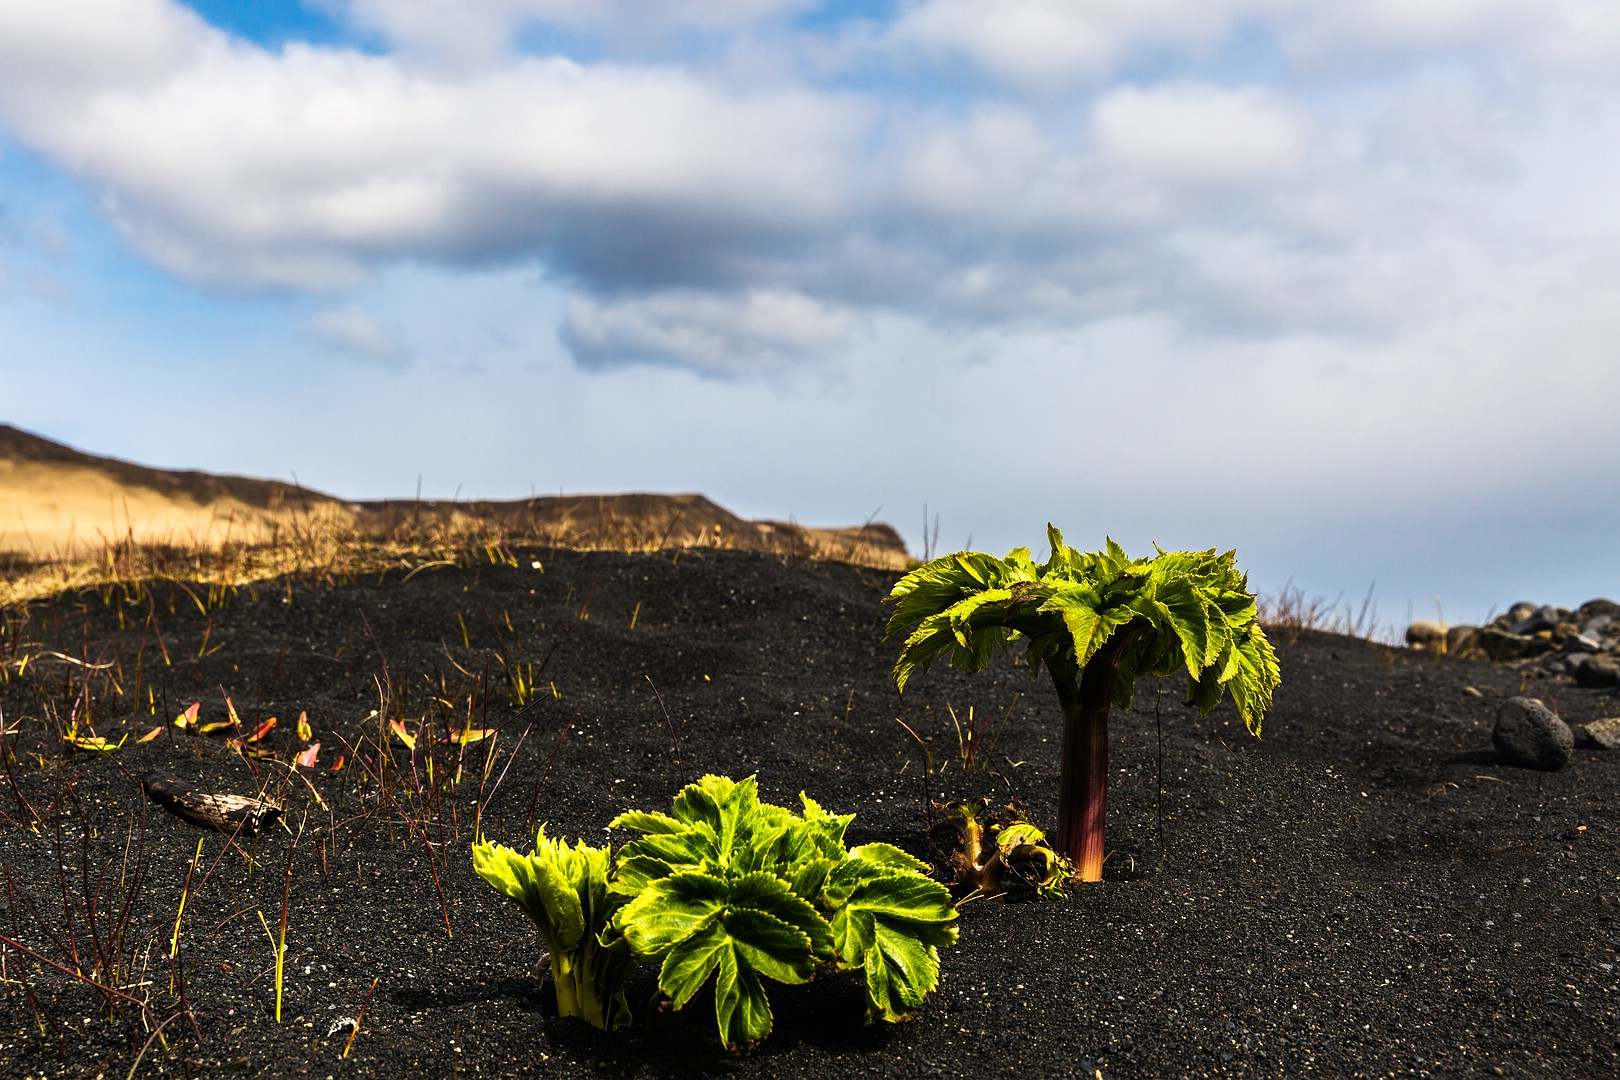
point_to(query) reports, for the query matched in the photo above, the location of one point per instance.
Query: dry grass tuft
(1289, 615)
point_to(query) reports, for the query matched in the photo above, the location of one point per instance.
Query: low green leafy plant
(988, 846)
(731, 890)
(1096, 621)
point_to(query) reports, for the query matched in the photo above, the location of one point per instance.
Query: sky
(1331, 283)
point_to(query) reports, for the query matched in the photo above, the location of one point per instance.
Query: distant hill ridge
(56, 501)
(19, 448)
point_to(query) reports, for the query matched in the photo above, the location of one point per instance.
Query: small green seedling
(989, 846)
(1096, 621)
(564, 891)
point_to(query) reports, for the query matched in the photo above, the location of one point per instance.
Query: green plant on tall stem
(1096, 621)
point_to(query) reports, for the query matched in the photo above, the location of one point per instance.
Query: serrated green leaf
(1089, 629)
(741, 1009)
(721, 803)
(935, 586)
(828, 829)
(670, 909)
(770, 946)
(1054, 539)
(887, 857)
(661, 854)
(736, 946)
(809, 879)
(690, 959)
(647, 821)
(1257, 676)
(891, 924)
(1114, 559)
(939, 635)
(900, 972)
(770, 895)
(870, 862)
(908, 896)
(1205, 691)
(1185, 612)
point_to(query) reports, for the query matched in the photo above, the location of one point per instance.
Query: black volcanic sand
(1366, 891)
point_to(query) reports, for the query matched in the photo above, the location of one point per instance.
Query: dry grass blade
(1289, 615)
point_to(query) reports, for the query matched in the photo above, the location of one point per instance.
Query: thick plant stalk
(1083, 782)
(1083, 789)
(589, 981)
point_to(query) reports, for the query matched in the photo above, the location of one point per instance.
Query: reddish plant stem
(1083, 790)
(1083, 782)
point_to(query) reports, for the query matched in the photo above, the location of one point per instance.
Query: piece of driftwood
(234, 814)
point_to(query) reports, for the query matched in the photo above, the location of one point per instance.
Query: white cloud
(736, 223)
(79, 49)
(1050, 44)
(981, 165)
(1197, 134)
(1334, 32)
(306, 167)
(760, 331)
(359, 337)
(1546, 34)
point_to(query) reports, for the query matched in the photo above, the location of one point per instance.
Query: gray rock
(1597, 625)
(1517, 613)
(1595, 608)
(1597, 670)
(1545, 617)
(1603, 734)
(1462, 641)
(1500, 645)
(1528, 733)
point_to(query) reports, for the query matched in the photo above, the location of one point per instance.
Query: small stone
(1595, 670)
(1426, 634)
(1530, 734)
(1582, 643)
(1545, 617)
(1500, 645)
(1604, 734)
(1517, 613)
(1462, 641)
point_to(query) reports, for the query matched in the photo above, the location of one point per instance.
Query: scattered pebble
(1530, 734)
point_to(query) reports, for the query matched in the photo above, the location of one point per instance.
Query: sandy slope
(59, 502)
(55, 500)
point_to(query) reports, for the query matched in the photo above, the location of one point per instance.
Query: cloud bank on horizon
(1380, 229)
